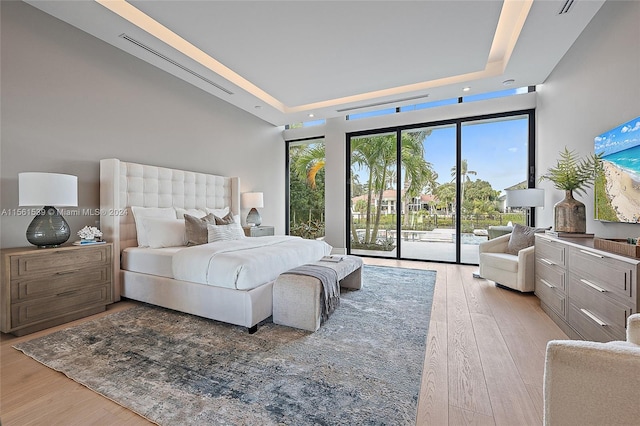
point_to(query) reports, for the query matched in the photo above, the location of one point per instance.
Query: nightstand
(46, 287)
(258, 231)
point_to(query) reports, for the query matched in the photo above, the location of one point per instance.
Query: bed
(229, 281)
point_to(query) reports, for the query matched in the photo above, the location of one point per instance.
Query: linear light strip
(159, 31)
(177, 64)
(382, 103)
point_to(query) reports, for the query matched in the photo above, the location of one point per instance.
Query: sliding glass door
(449, 191)
(494, 158)
(429, 193)
(373, 195)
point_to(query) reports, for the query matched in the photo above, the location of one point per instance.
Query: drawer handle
(548, 262)
(66, 272)
(592, 254)
(546, 283)
(593, 317)
(593, 286)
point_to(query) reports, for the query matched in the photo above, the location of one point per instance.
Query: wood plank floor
(483, 364)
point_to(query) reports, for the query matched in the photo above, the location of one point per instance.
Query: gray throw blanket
(330, 294)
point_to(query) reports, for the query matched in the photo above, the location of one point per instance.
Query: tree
(306, 189)
(378, 155)
(464, 176)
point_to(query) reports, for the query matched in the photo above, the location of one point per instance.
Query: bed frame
(123, 185)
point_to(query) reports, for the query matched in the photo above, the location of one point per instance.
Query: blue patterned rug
(362, 367)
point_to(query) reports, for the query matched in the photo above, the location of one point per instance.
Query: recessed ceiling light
(258, 106)
(508, 82)
(466, 89)
(311, 115)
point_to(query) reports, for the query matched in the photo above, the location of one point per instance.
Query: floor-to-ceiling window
(305, 183)
(450, 189)
(373, 195)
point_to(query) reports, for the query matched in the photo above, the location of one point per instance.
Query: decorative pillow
(521, 237)
(164, 232)
(192, 212)
(225, 232)
(141, 212)
(196, 228)
(227, 220)
(219, 212)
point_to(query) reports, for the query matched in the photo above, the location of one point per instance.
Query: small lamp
(530, 197)
(253, 200)
(48, 228)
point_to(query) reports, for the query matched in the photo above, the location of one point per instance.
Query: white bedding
(245, 263)
(149, 261)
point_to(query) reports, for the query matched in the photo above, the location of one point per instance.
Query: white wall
(69, 100)
(595, 87)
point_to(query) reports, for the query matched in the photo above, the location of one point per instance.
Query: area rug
(363, 366)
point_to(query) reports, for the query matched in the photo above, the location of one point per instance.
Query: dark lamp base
(48, 228)
(254, 217)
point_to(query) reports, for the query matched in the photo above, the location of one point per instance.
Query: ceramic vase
(570, 215)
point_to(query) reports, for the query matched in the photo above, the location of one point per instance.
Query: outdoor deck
(429, 250)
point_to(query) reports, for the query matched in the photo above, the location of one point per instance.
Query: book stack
(87, 243)
(331, 258)
(557, 234)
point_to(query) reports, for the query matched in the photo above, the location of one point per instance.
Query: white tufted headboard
(123, 185)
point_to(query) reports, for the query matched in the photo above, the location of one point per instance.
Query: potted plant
(570, 174)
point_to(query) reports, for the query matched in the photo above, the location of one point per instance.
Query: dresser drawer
(551, 275)
(60, 282)
(585, 323)
(551, 252)
(552, 296)
(614, 314)
(612, 275)
(52, 261)
(46, 308)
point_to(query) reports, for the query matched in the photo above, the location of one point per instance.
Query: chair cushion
(504, 261)
(522, 237)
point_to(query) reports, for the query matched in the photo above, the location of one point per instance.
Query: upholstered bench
(296, 298)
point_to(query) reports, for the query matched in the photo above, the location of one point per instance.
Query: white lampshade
(47, 189)
(531, 197)
(252, 200)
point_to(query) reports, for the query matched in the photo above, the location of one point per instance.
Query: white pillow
(225, 232)
(164, 232)
(141, 212)
(219, 212)
(199, 213)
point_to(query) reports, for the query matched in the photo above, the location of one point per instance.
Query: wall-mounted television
(617, 190)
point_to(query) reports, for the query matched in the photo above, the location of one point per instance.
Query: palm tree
(464, 176)
(418, 173)
(310, 161)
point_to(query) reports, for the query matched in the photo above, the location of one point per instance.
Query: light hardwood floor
(483, 364)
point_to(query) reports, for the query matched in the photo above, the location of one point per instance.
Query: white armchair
(507, 270)
(592, 383)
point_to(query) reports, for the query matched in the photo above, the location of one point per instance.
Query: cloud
(514, 149)
(627, 128)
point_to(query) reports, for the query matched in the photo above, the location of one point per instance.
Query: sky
(496, 150)
(624, 136)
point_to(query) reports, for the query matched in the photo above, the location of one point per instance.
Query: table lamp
(530, 197)
(48, 228)
(253, 200)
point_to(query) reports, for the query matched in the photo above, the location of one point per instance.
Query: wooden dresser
(588, 292)
(46, 287)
